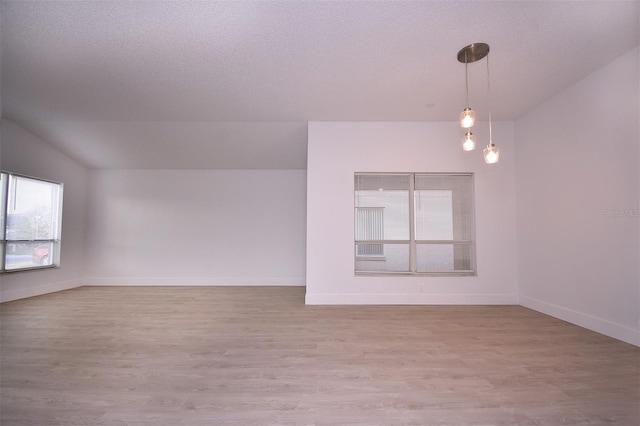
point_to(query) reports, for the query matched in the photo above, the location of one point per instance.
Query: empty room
(320, 213)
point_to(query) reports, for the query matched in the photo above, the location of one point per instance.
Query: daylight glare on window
(31, 218)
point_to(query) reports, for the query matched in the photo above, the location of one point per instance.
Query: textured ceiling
(183, 84)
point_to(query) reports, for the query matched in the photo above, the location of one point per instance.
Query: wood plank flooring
(247, 356)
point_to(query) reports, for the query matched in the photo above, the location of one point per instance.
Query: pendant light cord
(489, 99)
(466, 75)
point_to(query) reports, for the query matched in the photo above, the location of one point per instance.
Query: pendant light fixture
(467, 116)
(468, 141)
(468, 54)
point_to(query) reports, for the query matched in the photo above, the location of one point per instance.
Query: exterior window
(30, 223)
(414, 223)
(370, 226)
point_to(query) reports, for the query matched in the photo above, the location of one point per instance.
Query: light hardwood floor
(257, 356)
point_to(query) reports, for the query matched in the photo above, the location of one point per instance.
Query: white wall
(577, 184)
(337, 150)
(24, 153)
(197, 227)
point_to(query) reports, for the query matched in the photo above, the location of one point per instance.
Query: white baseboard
(599, 325)
(30, 291)
(229, 281)
(411, 299)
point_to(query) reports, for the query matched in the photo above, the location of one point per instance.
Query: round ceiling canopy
(473, 52)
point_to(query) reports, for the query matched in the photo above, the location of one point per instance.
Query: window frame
(54, 241)
(413, 242)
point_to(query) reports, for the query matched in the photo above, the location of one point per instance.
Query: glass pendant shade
(467, 118)
(491, 154)
(468, 142)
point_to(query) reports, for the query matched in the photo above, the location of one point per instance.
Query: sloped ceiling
(184, 84)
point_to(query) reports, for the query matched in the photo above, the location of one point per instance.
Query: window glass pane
(31, 222)
(3, 210)
(443, 257)
(382, 207)
(45, 253)
(434, 195)
(394, 258)
(3, 198)
(369, 223)
(434, 214)
(370, 249)
(30, 254)
(432, 232)
(32, 209)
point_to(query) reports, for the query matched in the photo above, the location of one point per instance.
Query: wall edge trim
(590, 322)
(25, 292)
(409, 299)
(197, 281)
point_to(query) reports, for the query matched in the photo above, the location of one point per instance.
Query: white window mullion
(428, 223)
(412, 227)
(4, 194)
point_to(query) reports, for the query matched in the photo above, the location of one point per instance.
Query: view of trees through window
(31, 222)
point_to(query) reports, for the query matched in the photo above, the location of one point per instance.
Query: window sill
(416, 274)
(35, 268)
